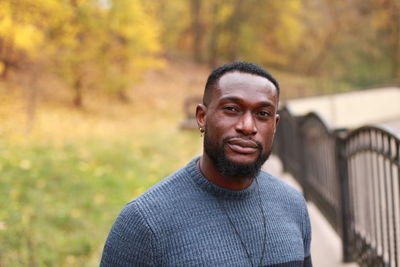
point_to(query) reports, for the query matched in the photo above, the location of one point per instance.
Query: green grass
(58, 201)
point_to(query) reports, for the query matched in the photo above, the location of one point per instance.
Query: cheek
(219, 127)
(268, 135)
(211, 132)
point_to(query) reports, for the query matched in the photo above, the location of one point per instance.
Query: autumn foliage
(106, 45)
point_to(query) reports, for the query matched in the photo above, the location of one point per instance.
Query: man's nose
(246, 125)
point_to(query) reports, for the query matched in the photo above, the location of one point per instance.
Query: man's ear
(201, 114)
(277, 119)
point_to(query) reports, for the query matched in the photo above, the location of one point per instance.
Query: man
(220, 209)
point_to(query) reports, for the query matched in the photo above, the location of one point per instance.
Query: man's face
(240, 124)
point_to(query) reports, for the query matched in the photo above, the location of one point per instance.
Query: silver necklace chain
(237, 231)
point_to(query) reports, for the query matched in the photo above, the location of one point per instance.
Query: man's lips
(242, 146)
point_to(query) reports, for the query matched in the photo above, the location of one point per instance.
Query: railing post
(301, 172)
(346, 212)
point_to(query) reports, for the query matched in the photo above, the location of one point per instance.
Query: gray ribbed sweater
(183, 221)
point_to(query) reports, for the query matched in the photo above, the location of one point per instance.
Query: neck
(210, 171)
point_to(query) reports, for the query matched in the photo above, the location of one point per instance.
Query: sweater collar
(217, 191)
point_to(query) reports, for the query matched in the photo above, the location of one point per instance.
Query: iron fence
(352, 177)
(319, 163)
(288, 144)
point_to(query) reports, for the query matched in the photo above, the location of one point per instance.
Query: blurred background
(92, 94)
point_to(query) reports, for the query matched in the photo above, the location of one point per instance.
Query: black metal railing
(321, 177)
(352, 177)
(290, 149)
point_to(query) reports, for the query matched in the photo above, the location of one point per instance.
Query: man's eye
(264, 113)
(230, 108)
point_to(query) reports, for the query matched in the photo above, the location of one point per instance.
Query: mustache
(259, 145)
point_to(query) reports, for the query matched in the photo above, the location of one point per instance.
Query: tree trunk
(197, 30)
(213, 41)
(234, 29)
(78, 98)
(9, 59)
(123, 96)
(5, 72)
(32, 97)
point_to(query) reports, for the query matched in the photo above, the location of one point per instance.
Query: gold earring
(201, 131)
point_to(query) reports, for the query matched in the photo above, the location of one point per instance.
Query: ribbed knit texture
(181, 222)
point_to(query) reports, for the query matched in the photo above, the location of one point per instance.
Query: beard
(229, 168)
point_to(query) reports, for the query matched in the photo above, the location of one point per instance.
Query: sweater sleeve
(130, 242)
(307, 238)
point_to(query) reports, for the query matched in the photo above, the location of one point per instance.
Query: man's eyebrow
(231, 98)
(238, 99)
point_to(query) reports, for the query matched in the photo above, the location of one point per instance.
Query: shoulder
(129, 222)
(130, 242)
(134, 234)
(165, 199)
(168, 190)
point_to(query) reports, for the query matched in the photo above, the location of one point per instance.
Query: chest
(209, 237)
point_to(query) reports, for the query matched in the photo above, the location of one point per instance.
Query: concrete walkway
(352, 109)
(326, 248)
(393, 125)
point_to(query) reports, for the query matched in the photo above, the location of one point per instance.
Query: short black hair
(240, 66)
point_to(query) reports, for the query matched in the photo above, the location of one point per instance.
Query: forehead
(246, 86)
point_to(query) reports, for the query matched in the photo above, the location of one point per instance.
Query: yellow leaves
(28, 38)
(291, 28)
(6, 27)
(23, 23)
(83, 39)
(67, 36)
(224, 13)
(5, 9)
(129, 20)
(22, 36)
